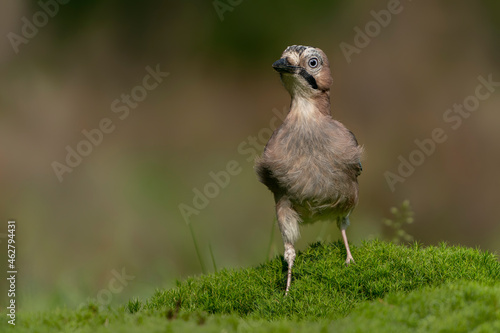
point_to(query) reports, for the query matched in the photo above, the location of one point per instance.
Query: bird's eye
(313, 62)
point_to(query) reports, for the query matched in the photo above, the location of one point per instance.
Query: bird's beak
(283, 66)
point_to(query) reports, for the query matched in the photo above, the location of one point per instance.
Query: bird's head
(304, 71)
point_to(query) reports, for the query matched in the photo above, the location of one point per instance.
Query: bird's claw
(349, 260)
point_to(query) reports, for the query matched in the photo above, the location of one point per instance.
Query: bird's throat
(310, 108)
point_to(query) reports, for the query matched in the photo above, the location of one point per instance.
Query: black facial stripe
(309, 78)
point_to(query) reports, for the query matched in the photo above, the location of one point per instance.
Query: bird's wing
(357, 167)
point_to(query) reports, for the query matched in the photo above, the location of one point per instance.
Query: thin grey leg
(343, 226)
(288, 222)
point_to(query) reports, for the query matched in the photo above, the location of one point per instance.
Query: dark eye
(313, 62)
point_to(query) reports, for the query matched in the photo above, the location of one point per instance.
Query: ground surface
(391, 288)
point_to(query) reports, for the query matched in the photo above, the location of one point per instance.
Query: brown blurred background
(119, 209)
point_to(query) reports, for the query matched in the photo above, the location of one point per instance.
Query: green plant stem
(213, 257)
(203, 268)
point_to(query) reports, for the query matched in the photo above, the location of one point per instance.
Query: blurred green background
(119, 209)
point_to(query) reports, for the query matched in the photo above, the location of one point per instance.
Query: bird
(311, 162)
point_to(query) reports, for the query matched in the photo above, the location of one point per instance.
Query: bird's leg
(290, 258)
(288, 221)
(343, 226)
(349, 258)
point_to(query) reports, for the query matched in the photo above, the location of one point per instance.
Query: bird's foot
(349, 260)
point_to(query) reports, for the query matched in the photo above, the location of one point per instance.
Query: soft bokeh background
(119, 209)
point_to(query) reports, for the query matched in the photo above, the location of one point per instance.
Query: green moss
(453, 307)
(390, 288)
(322, 286)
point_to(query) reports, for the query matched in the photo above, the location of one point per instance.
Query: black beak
(283, 66)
